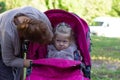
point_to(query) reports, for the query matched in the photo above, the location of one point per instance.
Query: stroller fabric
(60, 69)
(56, 69)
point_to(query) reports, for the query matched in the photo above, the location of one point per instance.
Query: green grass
(103, 74)
(105, 58)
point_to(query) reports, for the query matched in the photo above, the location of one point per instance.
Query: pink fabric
(56, 69)
(36, 51)
(79, 27)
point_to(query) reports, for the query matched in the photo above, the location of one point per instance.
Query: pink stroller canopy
(79, 27)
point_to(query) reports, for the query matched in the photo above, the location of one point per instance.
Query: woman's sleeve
(8, 51)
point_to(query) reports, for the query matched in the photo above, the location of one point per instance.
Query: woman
(17, 25)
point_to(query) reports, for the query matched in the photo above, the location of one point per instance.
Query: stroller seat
(59, 69)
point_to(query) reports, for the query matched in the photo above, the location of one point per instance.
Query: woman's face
(61, 42)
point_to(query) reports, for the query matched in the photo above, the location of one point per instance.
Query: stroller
(59, 69)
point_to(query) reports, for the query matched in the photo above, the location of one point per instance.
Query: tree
(2, 7)
(115, 11)
(94, 8)
(86, 9)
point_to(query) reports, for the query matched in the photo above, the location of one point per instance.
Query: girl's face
(61, 42)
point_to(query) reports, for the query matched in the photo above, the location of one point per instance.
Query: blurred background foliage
(87, 9)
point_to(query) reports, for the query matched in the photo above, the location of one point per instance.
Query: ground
(105, 70)
(107, 64)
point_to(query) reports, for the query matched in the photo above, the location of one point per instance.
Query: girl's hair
(64, 29)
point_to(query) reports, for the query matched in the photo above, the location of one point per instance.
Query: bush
(2, 7)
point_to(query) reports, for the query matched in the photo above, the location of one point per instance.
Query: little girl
(63, 46)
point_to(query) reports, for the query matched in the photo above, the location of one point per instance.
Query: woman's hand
(27, 63)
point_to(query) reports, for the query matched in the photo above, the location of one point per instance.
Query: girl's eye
(65, 41)
(58, 40)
